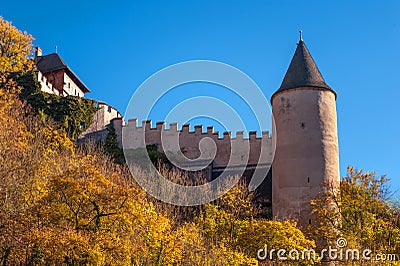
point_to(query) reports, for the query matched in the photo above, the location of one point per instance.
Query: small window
(109, 109)
(75, 92)
(69, 85)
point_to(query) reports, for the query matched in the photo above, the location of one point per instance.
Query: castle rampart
(192, 142)
(216, 154)
(305, 137)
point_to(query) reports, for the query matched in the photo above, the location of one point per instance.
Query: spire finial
(301, 35)
(55, 48)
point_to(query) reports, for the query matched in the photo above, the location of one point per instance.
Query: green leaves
(74, 114)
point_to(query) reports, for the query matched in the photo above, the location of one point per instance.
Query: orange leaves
(103, 215)
(63, 204)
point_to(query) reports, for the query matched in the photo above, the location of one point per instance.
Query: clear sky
(113, 46)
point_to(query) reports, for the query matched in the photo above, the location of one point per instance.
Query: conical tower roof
(302, 71)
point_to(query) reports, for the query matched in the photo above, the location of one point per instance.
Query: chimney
(38, 51)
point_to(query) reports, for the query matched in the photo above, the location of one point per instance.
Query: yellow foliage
(15, 47)
(247, 236)
(199, 250)
(60, 204)
(361, 214)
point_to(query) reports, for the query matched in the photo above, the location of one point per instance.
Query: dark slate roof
(303, 72)
(53, 62)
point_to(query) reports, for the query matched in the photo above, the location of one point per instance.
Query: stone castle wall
(232, 155)
(104, 117)
(247, 151)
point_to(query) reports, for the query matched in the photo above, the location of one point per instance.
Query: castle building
(307, 156)
(305, 136)
(56, 77)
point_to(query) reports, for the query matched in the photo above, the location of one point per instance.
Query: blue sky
(115, 46)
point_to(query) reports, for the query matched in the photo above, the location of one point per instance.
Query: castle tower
(304, 110)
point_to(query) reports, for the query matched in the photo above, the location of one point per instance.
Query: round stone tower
(304, 110)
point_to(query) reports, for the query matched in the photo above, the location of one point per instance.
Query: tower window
(309, 221)
(308, 180)
(303, 125)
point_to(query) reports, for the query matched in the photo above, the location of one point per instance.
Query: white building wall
(71, 88)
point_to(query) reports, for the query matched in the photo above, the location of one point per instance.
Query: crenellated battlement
(198, 129)
(244, 150)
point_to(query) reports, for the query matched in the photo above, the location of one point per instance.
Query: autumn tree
(63, 204)
(70, 205)
(15, 48)
(367, 218)
(230, 223)
(26, 145)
